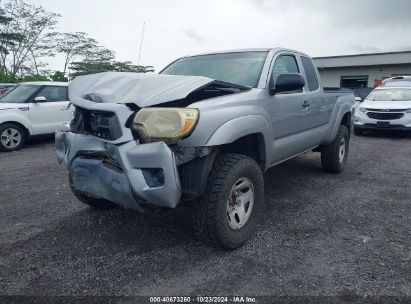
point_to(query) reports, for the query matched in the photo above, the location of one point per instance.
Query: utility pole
(141, 43)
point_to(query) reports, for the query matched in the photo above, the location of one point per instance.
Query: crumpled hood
(139, 88)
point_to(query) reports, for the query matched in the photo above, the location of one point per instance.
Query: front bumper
(391, 127)
(127, 184)
(362, 121)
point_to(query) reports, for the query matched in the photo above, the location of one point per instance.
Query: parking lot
(321, 234)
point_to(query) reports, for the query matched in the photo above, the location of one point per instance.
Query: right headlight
(363, 110)
(165, 124)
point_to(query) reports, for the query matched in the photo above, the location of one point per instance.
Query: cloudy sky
(179, 27)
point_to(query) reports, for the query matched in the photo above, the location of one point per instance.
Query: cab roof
(275, 50)
(50, 83)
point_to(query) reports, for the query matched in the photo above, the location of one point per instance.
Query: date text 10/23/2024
(203, 299)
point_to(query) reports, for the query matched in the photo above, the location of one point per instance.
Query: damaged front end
(120, 150)
(129, 174)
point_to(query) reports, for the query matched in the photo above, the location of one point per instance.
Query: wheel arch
(342, 117)
(25, 129)
(247, 135)
(251, 145)
(346, 120)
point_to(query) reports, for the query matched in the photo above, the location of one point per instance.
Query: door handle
(306, 104)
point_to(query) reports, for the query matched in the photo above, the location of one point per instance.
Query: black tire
(98, 203)
(8, 129)
(331, 160)
(358, 131)
(211, 222)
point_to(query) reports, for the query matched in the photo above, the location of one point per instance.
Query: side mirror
(287, 82)
(40, 99)
(358, 99)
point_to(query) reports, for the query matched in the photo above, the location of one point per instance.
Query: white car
(385, 108)
(32, 108)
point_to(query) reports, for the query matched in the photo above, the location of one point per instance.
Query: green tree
(33, 78)
(7, 39)
(72, 45)
(4, 77)
(32, 23)
(93, 66)
(100, 59)
(58, 76)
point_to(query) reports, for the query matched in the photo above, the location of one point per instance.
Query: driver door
(287, 110)
(48, 116)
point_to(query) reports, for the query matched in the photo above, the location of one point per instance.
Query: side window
(54, 93)
(310, 72)
(284, 64)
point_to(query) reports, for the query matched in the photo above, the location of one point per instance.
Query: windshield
(242, 68)
(398, 84)
(19, 94)
(390, 95)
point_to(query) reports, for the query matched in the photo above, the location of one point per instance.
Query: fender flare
(242, 126)
(343, 110)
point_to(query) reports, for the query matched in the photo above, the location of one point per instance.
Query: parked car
(203, 132)
(32, 108)
(397, 81)
(385, 108)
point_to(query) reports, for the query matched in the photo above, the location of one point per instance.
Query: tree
(72, 45)
(43, 49)
(7, 38)
(86, 67)
(99, 54)
(33, 78)
(32, 23)
(58, 76)
(100, 59)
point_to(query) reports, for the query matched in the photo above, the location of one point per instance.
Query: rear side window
(310, 72)
(54, 93)
(283, 65)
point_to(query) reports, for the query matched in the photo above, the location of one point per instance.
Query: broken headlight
(165, 124)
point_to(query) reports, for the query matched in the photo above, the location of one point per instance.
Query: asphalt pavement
(321, 234)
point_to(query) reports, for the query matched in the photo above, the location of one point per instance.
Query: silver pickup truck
(202, 131)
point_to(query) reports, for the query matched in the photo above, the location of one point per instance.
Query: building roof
(388, 58)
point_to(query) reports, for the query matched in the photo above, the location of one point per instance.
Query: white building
(363, 70)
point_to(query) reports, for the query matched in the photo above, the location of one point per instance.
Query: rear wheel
(226, 215)
(12, 137)
(334, 155)
(98, 203)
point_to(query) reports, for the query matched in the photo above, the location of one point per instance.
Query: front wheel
(12, 137)
(334, 155)
(227, 214)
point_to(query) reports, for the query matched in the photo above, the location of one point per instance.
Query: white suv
(385, 108)
(32, 108)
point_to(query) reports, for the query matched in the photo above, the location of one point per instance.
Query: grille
(387, 110)
(101, 124)
(385, 116)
